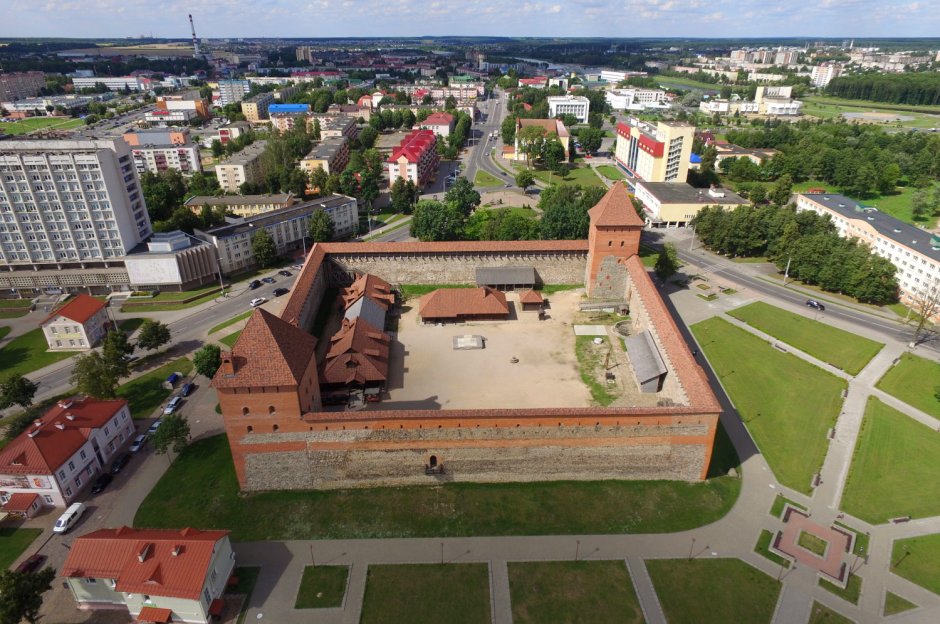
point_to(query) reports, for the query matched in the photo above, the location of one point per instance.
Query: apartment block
(823, 74)
(242, 205)
(232, 91)
(158, 149)
(69, 212)
(438, 123)
(233, 131)
(255, 108)
(415, 158)
(575, 105)
(116, 83)
(20, 85)
(331, 154)
(657, 152)
(287, 227)
(245, 166)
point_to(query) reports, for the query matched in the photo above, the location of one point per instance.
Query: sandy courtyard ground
(427, 373)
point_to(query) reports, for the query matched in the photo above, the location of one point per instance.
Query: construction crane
(195, 41)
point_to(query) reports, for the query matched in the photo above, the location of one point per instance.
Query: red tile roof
(358, 354)
(269, 352)
(141, 561)
(615, 209)
(62, 431)
(438, 119)
(155, 615)
(551, 126)
(453, 303)
(530, 296)
(413, 146)
(20, 503)
(371, 286)
(79, 309)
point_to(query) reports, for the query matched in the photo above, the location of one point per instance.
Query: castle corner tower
(614, 233)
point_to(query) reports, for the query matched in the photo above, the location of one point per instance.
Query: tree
(462, 195)
(920, 205)
(590, 139)
(667, 263)
(17, 390)
(94, 376)
(531, 139)
(114, 348)
(437, 221)
(553, 154)
(207, 360)
(315, 134)
(524, 179)
(367, 137)
(319, 179)
(507, 130)
(217, 148)
(173, 434)
(926, 305)
(152, 335)
(403, 194)
(779, 193)
(262, 246)
(320, 226)
(22, 594)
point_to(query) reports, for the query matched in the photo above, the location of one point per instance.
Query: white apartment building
(913, 251)
(69, 212)
(231, 91)
(287, 228)
(60, 454)
(244, 166)
(576, 105)
(636, 99)
(823, 74)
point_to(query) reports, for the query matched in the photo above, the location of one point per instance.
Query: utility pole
(786, 273)
(692, 243)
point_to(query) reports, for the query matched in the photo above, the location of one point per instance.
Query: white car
(257, 301)
(68, 519)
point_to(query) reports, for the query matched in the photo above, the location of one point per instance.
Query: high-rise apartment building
(255, 108)
(654, 152)
(159, 149)
(244, 166)
(69, 212)
(231, 91)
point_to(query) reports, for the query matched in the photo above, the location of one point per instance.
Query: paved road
(479, 155)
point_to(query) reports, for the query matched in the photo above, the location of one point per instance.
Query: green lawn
(13, 542)
(582, 176)
(229, 340)
(457, 509)
(32, 124)
(551, 289)
(4, 330)
(129, 326)
(810, 542)
(918, 560)
(486, 179)
(231, 321)
(145, 393)
(9, 314)
(412, 291)
(688, 82)
(649, 255)
(590, 364)
(582, 592)
(610, 172)
(822, 614)
(910, 381)
(788, 404)
(780, 502)
(736, 592)
(851, 592)
(895, 604)
(28, 352)
(862, 539)
(322, 587)
(15, 303)
(762, 548)
(840, 348)
(247, 579)
(894, 469)
(168, 306)
(456, 593)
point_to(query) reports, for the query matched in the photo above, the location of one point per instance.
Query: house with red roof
(415, 158)
(62, 452)
(438, 123)
(463, 304)
(159, 575)
(76, 326)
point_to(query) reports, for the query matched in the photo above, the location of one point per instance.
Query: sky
(533, 18)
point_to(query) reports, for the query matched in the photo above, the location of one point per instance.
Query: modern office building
(172, 261)
(241, 167)
(415, 158)
(232, 91)
(69, 212)
(667, 204)
(287, 228)
(165, 117)
(657, 152)
(255, 108)
(575, 105)
(331, 154)
(160, 149)
(20, 85)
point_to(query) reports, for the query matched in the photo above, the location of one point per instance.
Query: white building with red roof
(438, 123)
(415, 158)
(76, 326)
(62, 452)
(160, 575)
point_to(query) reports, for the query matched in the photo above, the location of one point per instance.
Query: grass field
(590, 361)
(169, 306)
(780, 502)
(918, 560)
(31, 124)
(851, 592)
(687, 82)
(145, 393)
(575, 592)
(231, 321)
(4, 330)
(129, 326)
(458, 509)
(736, 592)
(13, 542)
(610, 172)
(28, 352)
(762, 548)
(9, 314)
(909, 380)
(551, 289)
(413, 291)
(840, 348)
(407, 594)
(895, 604)
(16, 303)
(229, 340)
(486, 179)
(894, 469)
(812, 543)
(582, 176)
(649, 255)
(789, 426)
(826, 107)
(322, 587)
(824, 615)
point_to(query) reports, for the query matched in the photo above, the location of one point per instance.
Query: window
(47, 498)
(78, 482)
(82, 455)
(91, 581)
(61, 474)
(71, 465)
(68, 492)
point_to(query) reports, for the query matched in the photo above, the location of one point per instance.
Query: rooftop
(239, 200)
(358, 354)
(615, 209)
(245, 156)
(251, 224)
(79, 309)
(552, 126)
(673, 193)
(326, 148)
(452, 303)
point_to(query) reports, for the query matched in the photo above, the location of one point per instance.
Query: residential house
(76, 326)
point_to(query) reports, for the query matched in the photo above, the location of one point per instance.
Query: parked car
(173, 405)
(154, 426)
(69, 518)
(280, 291)
(139, 442)
(285, 273)
(187, 389)
(254, 284)
(257, 301)
(101, 483)
(812, 303)
(268, 280)
(119, 463)
(297, 266)
(32, 564)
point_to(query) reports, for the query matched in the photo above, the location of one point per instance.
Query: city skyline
(405, 18)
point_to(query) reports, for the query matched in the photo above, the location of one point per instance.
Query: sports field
(32, 124)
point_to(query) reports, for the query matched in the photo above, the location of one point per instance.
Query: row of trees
(915, 88)
(165, 192)
(804, 244)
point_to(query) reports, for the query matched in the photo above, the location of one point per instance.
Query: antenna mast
(195, 41)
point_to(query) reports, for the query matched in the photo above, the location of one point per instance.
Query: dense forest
(915, 88)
